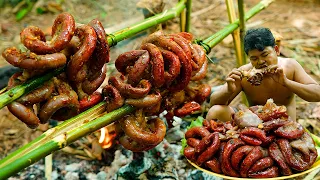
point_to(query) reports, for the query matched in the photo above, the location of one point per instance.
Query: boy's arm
(303, 85)
(222, 96)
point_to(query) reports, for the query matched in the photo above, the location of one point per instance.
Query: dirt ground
(297, 21)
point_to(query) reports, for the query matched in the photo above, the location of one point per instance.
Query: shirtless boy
(288, 78)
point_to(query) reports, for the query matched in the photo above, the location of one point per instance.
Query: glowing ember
(106, 137)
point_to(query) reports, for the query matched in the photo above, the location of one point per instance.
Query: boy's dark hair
(258, 38)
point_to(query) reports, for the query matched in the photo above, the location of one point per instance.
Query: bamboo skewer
(112, 40)
(188, 15)
(58, 137)
(20, 90)
(243, 57)
(242, 25)
(22, 159)
(84, 123)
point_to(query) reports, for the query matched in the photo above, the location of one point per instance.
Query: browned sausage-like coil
(86, 51)
(33, 61)
(272, 148)
(76, 65)
(62, 31)
(62, 106)
(23, 107)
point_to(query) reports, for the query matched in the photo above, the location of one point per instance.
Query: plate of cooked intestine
(260, 142)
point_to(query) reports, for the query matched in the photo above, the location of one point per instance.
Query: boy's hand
(233, 80)
(277, 74)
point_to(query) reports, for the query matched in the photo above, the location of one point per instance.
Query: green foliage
(24, 10)
(41, 10)
(12, 2)
(103, 15)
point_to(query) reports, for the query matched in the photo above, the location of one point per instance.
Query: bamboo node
(204, 45)
(113, 39)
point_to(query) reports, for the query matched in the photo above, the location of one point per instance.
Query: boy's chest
(267, 89)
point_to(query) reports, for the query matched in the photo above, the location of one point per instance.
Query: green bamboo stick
(66, 136)
(242, 25)
(80, 125)
(188, 15)
(60, 141)
(112, 40)
(73, 122)
(98, 123)
(213, 40)
(147, 23)
(16, 92)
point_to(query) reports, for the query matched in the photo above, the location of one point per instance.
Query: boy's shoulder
(287, 61)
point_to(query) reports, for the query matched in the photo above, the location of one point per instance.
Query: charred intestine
(261, 142)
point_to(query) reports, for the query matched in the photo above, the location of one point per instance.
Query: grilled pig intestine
(270, 111)
(82, 48)
(273, 146)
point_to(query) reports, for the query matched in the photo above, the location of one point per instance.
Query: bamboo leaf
(24, 11)
(21, 13)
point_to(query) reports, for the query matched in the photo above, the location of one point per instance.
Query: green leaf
(2, 3)
(183, 145)
(103, 15)
(40, 10)
(21, 13)
(196, 123)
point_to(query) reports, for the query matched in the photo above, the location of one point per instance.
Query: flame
(106, 137)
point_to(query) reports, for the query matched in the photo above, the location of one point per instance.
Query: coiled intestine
(83, 49)
(155, 78)
(278, 146)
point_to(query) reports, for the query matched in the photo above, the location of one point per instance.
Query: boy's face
(267, 57)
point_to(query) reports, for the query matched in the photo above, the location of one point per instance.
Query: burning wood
(107, 136)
